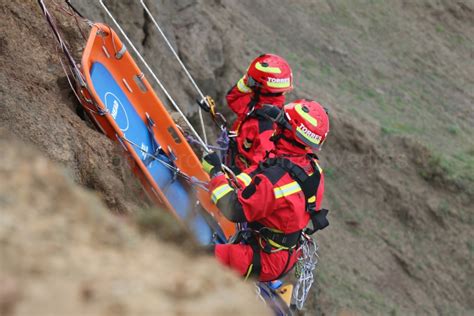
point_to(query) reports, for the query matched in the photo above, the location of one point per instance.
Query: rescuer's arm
(253, 201)
(239, 97)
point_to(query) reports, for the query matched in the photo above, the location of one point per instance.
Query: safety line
(182, 66)
(204, 145)
(190, 179)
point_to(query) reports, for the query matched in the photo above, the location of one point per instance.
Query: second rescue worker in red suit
(267, 79)
(277, 198)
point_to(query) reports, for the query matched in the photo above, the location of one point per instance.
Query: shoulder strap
(308, 183)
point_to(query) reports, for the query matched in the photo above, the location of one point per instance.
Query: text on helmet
(315, 138)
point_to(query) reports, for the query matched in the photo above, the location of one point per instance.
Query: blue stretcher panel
(135, 130)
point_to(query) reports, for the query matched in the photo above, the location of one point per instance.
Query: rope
(182, 66)
(305, 265)
(204, 145)
(192, 180)
(222, 142)
(77, 75)
(75, 71)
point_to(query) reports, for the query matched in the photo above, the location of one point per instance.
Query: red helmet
(309, 122)
(271, 72)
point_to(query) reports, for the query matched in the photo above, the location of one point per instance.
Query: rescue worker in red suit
(267, 80)
(276, 198)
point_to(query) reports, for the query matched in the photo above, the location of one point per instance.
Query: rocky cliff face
(397, 78)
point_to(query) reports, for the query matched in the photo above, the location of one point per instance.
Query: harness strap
(283, 272)
(306, 182)
(276, 239)
(255, 268)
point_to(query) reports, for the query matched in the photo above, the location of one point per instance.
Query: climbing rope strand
(172, 49)
(192, 180)
(176, 107)
(69, 80)
(76, 73)
(182, 66)
(62, 44)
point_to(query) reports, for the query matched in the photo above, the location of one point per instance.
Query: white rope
(305, 265)
(181, 63)
(204, 145)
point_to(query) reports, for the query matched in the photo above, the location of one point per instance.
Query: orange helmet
(309, 122)
(270, 72)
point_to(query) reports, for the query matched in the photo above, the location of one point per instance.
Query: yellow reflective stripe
(319, 167)
(207, 166)
(242, 86)
(312, 140)
(281, 84)
(277, 245)
(306, 116)
(274, 245)
(249, 270)
(287, 189)
(312, 199)
(267, 69)
(219, 192)
(245, 178)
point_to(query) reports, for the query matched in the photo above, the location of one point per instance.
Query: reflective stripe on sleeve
(287, 189)
(242, 86)
(219, 192)
(245, 178)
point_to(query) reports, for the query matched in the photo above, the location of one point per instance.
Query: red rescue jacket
(273, 199)
(253, 134)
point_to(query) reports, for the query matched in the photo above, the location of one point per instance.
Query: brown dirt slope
(399, 162)
(62, 253)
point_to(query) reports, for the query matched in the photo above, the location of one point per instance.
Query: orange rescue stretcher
(122, 103)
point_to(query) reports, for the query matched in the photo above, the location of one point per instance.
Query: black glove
(211, 163)
(275, 114)
(249, 82)
(319, 220)
(271, 111)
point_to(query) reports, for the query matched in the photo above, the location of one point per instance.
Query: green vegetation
(470, 246)
(405, 68)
